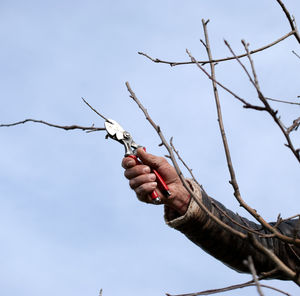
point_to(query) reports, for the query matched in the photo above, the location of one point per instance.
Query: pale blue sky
(70, 223)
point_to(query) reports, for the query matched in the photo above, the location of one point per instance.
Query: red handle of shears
(160, 182)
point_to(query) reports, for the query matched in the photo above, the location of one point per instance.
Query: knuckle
(132, 184)
(151, 177)
(145, 169)
(124, 163)
(128, 162)
(138, 192)
(132, 172)
(142, 198)
(161, 161)
(141, 190)
(127, 174)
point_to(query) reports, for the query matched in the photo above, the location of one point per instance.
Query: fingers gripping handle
(160, 182)
(154, 196)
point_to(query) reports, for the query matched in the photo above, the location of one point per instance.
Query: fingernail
(147, 170)
(153, 184)
(130, 163)
(152, 177)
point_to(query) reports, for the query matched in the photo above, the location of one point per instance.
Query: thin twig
(254, 275)
(65, 127)
(233, 181)
(283, 101)
(172, 64)
(295, 54)
(254, 82)
(98, 113)
(184, 163)
(294, 126)
(230, 288)
(294, 252)
(248, 229)
(246, 104)
(292, 275)
(290, 218)
(290, 19)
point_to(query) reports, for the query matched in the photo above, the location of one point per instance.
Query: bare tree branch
(254, 275)
(238, 286)
(65, 127)
(216, 206)
(282, 101)
(292, 217)
(246, 104)
(291, 20)
(277, 120)
(203, 62)
(294, 126)
(295, 54)
(248, 229)
(98, 113)
(274, 258)
(233, 181)
(184, 163)
(230, 288)
(268, 108)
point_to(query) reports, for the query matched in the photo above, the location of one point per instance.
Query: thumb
(149, 159)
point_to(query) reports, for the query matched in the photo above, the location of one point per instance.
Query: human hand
(143, 182)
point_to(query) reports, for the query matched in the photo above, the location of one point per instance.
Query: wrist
(179, 201)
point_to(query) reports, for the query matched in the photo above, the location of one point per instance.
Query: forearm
(221, 243)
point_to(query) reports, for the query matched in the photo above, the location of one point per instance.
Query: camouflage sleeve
(226, 246)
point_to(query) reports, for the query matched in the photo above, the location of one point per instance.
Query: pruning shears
(116, 132)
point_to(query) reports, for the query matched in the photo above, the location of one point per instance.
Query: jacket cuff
(174, 219)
